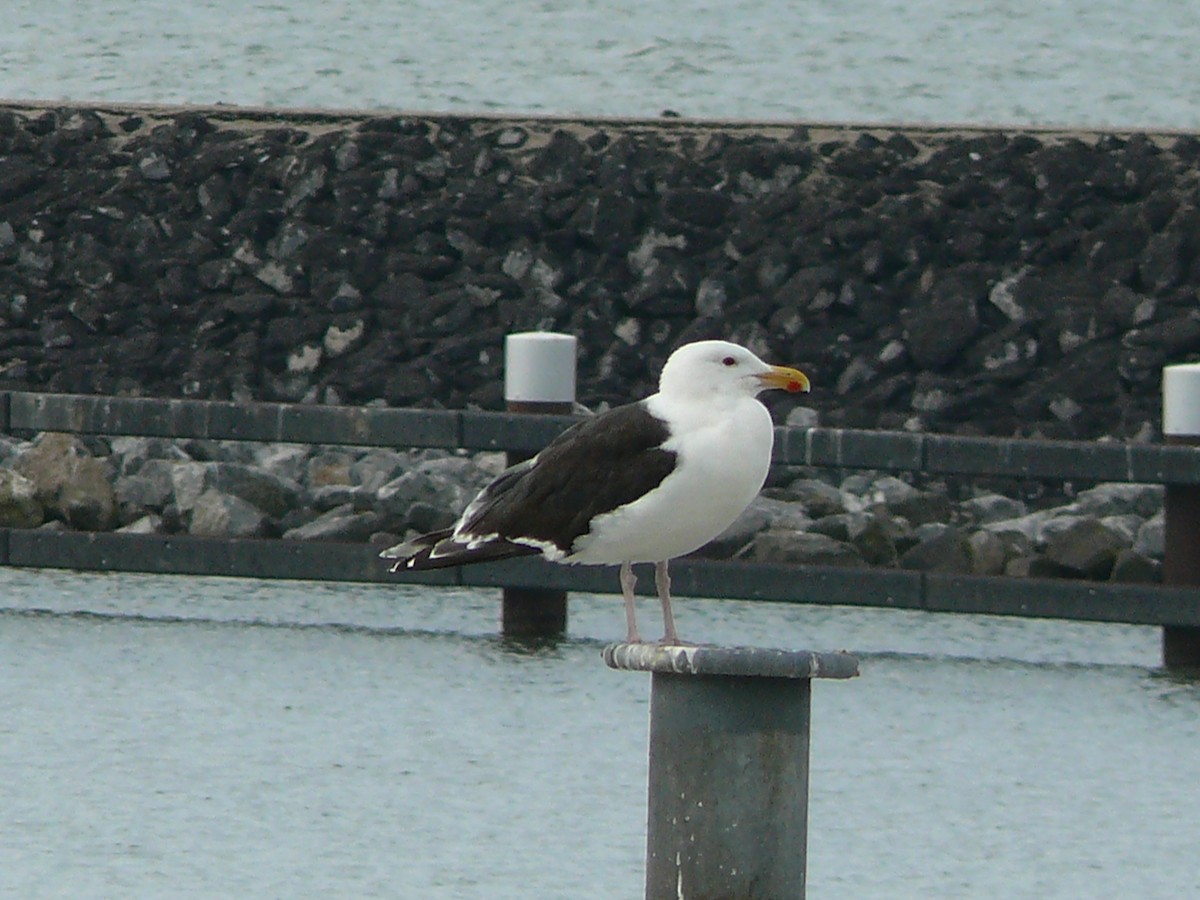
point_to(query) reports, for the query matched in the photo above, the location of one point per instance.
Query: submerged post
(1181, 558)
(728, 787)
(539, 378)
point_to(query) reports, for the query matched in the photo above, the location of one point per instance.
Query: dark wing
(439, 550)
(591, 468)
(550, 500)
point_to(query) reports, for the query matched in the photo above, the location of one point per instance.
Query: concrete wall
(970, 281)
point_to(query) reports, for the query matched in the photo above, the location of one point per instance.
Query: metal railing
(29, 412)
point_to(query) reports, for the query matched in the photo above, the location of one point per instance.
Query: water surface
(177, 736)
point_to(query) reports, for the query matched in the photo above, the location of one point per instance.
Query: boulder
(147, 524)
(70, 483)
(341, 523)
(987, 508)
(272, 494)
(816, 496)
(947, 551)
(738, 535)
(987, 552)
(1131, 567)
(1151, 537)
(217, 514)
(922, 507)
(1086, 548)
(1118, 499)
(19, 507)
(804, 548)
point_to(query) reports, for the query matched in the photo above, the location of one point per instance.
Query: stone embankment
(149, 485)
(973, 281)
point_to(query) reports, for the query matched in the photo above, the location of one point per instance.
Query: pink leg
(663, 582)
(628, 580)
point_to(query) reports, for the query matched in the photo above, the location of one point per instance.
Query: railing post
(1181, 553)
(728, 785)
(539, 378)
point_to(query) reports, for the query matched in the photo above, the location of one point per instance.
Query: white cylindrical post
(539, 378)
(539, 367)
(1181, 562)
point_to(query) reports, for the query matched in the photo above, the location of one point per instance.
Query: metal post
(1181, 555)
(728, 787)
(539, 378)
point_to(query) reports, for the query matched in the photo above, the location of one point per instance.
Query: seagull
(641, 483)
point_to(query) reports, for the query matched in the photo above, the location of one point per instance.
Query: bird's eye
(729, 361)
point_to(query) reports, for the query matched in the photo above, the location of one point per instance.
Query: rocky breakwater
(938, 279)
(217, 489)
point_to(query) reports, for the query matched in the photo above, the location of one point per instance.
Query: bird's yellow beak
(782, 378)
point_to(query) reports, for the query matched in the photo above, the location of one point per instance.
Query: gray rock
(988, 553)
(286, 461)
(814, 495)
(1119, 499)
(377, 467)
(129, 454)
(876, 540)
(805, 548)
(152, 487)
(889, 490)
(922, 507)
(948, 551)
(217, 514)
(19, 507)
(69, 482)
(1031, 525)
(147, 524)
(328, 467)
(341, 523)
(330, 496)
(992, 508)
(1086, 548)
(738, 535)
(272, 494)
(840, 526)
(1127, 525)
(425, 484)
(1151, 537)
(1131, 567)
(424, 517)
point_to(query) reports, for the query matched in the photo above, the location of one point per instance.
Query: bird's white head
(719, 368)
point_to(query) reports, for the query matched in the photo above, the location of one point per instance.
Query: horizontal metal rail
(779, 583)
(895, 451)
(28, 412)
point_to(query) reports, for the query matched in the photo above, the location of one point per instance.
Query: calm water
(196, 737)
(1100, 62)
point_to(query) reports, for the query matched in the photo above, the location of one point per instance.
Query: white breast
(723, 452)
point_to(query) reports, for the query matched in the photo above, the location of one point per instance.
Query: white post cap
(1181, 399)
(539, 367)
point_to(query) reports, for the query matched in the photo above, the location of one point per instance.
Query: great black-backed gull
(645, 482)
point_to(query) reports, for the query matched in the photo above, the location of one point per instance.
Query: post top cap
(707, 659)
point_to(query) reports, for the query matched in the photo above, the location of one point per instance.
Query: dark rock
(19, 507)
(922, 507)
(805, 549)
(947, 551)
(1087, 548)
(341, 523)
(69, 482)
(1130, 567)
(816, 497)
(938, 329)
(216, 514)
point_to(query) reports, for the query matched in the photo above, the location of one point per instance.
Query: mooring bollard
(728, 788)
(1181, 553)
(539, 378)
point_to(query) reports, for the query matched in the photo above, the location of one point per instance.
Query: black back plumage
(591, 468)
